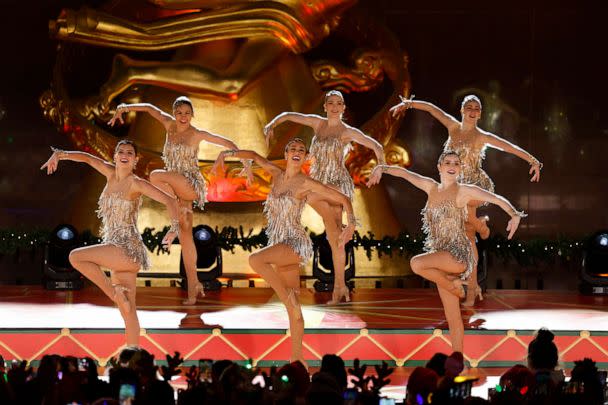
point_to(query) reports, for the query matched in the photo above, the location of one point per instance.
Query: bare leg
(290, 275)
(176, 184)
(120, 288)
(473, 291)
(452, 315)
(436, 267)
(129, 313)
(333, 229)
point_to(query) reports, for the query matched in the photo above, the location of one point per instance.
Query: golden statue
(241, 63)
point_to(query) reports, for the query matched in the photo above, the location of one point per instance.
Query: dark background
(539, 68)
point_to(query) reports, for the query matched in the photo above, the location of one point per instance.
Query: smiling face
(471, 109)
(125, 156)
(334, 105)
(183, 114)
(449, 166)
(295, 152)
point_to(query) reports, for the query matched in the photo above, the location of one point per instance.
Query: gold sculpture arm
(266, 19)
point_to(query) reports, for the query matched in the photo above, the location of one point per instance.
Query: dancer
(181, 176)
(449, 259)
(289, 246)
(122, 249)
(470, 142)
(330, 144)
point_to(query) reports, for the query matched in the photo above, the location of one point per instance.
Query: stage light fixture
(594, 272)
(209, 263)
(58, 273)
(323, 265)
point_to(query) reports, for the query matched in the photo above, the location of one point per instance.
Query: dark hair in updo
(445, 154)
(182, 100)
(296, 140)
(125, 142)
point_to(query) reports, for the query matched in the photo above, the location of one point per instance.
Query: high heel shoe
(294, 302)
(198, 290)
(477, 293)
(337, 295)
(120, 296)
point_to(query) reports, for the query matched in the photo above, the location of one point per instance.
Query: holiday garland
(530, 252)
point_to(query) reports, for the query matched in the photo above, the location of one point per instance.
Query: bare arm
(103, 167)
(149, 190)
(446, 119)
(310, 120)
(422, 182)
(506, 146)
(216, 139)
(474, 193)
(264, 163)
(154, 112)
(355, 135)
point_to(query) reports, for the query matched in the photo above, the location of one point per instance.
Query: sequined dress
(328, 166)
(443, 225)
(183, 159)
(119, 226)
(284, 213)
(471, 157)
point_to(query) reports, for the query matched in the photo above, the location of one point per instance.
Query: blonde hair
(295, 140)
(334, 93)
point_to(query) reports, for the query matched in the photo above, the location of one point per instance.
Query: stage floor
(402, 326)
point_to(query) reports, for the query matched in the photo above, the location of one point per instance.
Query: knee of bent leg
(255, 260)
(416, 264)
(74, 257)
(156, 176)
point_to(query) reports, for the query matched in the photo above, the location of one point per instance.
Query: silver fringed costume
(443, 224)
(471, 158)
(183, 159)
(119, 226)
(328, 166)
(284, 213)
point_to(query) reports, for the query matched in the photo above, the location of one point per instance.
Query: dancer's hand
(168, 240)
(247, 172)
(375, 176)
(535, 170)
(218, 168)
(513, 225)
(400, 108)
(346, 235)
(122, 108)
(52, 164)
(268, 133)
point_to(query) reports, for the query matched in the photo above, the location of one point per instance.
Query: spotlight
(208, 258)
(323, 265)
(594, 273)
(58, 272)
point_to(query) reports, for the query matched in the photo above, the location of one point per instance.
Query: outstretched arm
(446, 119)
(506, 146)
(334, 197)
(148, 189)
(154, 112)
(264, 163)
(355, 135)
(423, 183)
(96, 163)
(474, 193)
(310, 120)
(215, 139)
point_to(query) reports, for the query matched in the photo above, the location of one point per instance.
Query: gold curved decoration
(268, 19)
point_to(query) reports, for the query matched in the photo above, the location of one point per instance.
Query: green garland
(531, 252)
